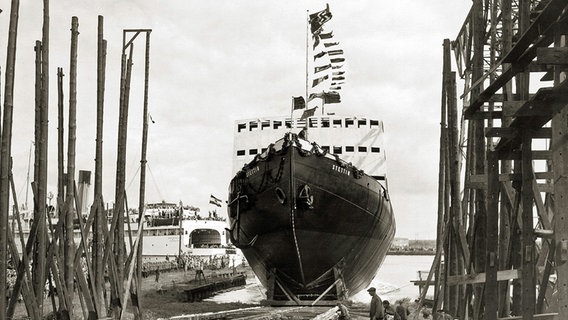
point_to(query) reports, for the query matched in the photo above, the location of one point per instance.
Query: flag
(315, 95)
(319, 80)
(331, 97)
(319, 55)
(329, 44)
(298, 103)
(322, 68)
(336, 60)
(216, 201)
(316, 41)
(326, 35)
(335, 52)
(338, 78)
(335, 88)
(336, 66)
(337, 83)
(338, 73)
(318, 19)
(308, 113)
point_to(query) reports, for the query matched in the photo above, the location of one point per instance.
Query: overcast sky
(214, 62)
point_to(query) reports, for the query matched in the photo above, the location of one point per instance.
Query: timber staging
(503, 230)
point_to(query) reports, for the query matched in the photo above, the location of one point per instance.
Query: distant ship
(310, 209)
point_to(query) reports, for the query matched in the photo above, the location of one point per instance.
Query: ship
(308, 204)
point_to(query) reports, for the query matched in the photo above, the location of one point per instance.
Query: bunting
(335, 52)
(319, 55)
(319, 80)
(316, 41)
(322, 68)
(327, 35)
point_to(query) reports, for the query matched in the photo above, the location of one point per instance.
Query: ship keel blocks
(279, 294)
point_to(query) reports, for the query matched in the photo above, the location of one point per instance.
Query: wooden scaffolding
(503, 187)
(96, 274)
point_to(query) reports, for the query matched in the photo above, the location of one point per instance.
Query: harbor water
(392, 282)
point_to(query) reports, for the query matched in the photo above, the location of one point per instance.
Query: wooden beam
(527, 235)
(544, 316)
(492, 239)
(541, 133)
(502, 275)
(554, 55)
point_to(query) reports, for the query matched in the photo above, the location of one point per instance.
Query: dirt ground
(162, 300)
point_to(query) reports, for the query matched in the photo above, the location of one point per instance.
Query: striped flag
(216, 201)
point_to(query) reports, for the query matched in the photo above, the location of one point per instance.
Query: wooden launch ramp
(278, 294)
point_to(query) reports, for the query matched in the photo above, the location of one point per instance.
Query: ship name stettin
(252, 171)
(340, 169)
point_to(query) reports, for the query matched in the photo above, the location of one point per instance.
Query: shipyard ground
(168, 303)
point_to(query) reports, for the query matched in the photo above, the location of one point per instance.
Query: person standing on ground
(376, 310)
(401, 310)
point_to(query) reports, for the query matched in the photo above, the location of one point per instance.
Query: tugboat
(310, 209)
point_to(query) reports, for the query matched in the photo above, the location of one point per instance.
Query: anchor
(237, 223)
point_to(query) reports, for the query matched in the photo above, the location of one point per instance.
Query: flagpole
(307, 41)
(291, 115)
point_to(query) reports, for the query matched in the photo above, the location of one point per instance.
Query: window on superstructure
(362, 149)
(288, 124)
(313, 122)
(337, 123)
(276, 124)
(349, 148)
(253, 125)
(325, 148)
(349, 122)
(375, 149)
(337, 150)
(241, 127)
(240, 152)
(362, 123)
(265, 124)
(263, 150)
(374, 123)
(253, 151)
(325, 123)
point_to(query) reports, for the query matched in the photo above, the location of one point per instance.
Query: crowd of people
(403, 309)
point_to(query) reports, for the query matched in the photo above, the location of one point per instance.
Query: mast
(307, 42)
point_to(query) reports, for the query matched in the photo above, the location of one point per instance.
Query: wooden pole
(5, 151)
(70, 198)
(143, 168)
(100, 217)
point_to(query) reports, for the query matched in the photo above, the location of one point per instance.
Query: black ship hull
(304, 219)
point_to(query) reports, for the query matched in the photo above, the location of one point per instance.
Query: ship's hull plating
(298, 214)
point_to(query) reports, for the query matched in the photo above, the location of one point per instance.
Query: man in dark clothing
(376, 311)
(401, 310)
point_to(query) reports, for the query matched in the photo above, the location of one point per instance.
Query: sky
(215, 62)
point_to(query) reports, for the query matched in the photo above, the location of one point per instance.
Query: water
(392, 282)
